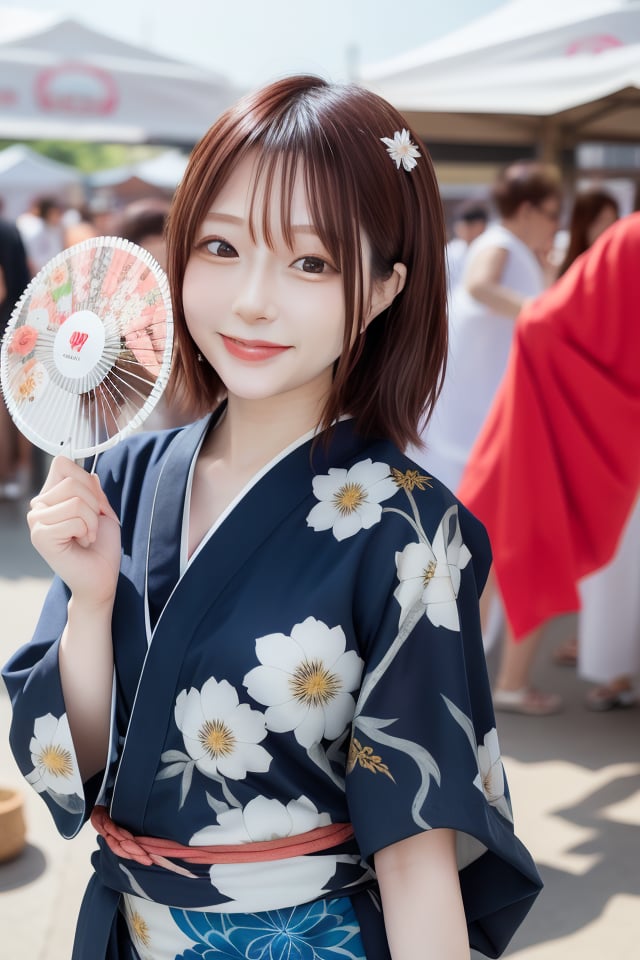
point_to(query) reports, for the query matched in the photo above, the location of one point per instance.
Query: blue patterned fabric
(323, 930)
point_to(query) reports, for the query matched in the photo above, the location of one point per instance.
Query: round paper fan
(87, 351)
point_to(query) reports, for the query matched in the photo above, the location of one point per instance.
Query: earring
(199, 357)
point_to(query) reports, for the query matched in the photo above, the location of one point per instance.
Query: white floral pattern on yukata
(429, 575)
(306, 680)
(350, 499)
(221, 735)
(55, 769)
(260, 820)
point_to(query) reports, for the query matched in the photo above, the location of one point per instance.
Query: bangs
(298, 144)
(279, 163)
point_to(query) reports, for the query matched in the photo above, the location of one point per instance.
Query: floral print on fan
(30, 382)
(23, 340)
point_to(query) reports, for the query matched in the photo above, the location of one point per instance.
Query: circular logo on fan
(79, 344)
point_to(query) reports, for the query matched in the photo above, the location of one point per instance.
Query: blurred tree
(88, 157)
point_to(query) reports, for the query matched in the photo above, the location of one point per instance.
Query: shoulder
(419, 508)
(495, 237)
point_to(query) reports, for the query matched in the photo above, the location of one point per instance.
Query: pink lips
(252, 349)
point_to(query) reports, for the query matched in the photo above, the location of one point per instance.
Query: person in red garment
(556, 469)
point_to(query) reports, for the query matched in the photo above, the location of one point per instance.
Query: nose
(254, 302)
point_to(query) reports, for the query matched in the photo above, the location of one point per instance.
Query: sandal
(567, 654)
(604, 698)
(527, 701)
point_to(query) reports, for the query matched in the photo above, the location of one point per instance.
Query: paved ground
(575, 782)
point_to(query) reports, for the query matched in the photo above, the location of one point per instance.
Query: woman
(594, 211)
(502, 272)
(262, 649)
(556, 470)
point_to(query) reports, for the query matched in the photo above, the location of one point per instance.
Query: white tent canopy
(26, 175)
(164, 171)
(528, 68)
(62, 80)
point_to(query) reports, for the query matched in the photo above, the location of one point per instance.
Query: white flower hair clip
(402, 149)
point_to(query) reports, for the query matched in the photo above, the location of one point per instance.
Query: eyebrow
(231, 218)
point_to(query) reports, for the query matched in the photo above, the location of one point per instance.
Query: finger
(61, 513)
(65, 474)
(67, 489)
(61, 468)
(73, 529)
(105, 507)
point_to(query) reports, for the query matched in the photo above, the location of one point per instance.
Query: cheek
(194, 291)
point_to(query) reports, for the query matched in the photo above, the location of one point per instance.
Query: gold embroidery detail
(217, 739)
(366, 758)
(140, 929)
(410, 479)
(57, 761)
(348, 498)
(313, 684)
(428, 573)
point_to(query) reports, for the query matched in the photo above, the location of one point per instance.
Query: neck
(254, 432)
(516, 226)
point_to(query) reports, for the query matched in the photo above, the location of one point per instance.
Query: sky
(254, 41)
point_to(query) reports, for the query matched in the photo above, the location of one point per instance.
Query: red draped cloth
(556, 468)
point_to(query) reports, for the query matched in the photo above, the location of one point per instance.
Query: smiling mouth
(256, 343)
(252, 349)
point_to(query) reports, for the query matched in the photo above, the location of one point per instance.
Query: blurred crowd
(500, 259)
(502, 254)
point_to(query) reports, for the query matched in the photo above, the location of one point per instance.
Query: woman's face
(543, 220)
(605, 219)
(269, 319)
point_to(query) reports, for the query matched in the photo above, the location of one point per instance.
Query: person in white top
(42, 232)
(470, 221)
(502, 271)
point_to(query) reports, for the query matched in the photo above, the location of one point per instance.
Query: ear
(384, 292)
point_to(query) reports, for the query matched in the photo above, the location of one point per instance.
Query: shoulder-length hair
(390, 376)
(587, 207)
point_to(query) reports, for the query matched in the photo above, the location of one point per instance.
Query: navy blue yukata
(317, 660)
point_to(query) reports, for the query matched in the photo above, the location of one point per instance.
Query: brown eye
(220, 248)
(310, 265)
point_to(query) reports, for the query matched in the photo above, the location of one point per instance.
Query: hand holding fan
(87, 352)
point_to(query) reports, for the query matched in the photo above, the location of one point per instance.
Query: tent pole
(548, 144)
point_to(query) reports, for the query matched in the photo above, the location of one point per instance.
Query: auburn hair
(587, 207)
(389, 376)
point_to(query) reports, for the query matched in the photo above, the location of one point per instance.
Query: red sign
(597, 43)
(76, 88)
(77, 340)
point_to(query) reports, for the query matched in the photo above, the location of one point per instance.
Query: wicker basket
(12, 825)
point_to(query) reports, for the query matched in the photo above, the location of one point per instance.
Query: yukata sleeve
(40, 736)
(424, 752)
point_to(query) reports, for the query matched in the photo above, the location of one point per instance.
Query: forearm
(422, 904)
(500, 299)
(86, 672)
